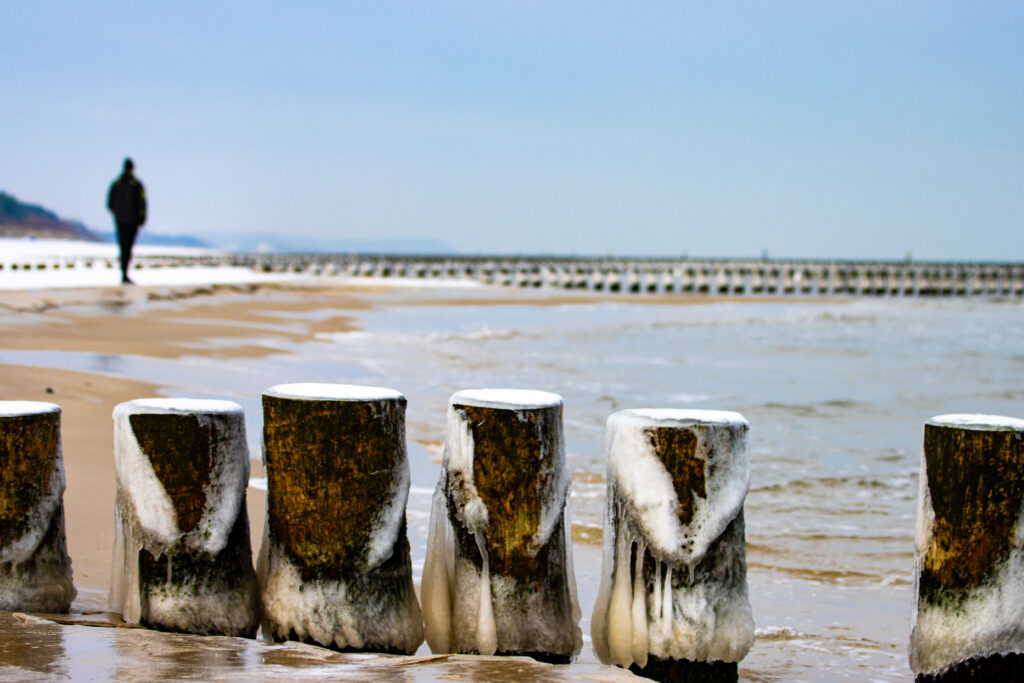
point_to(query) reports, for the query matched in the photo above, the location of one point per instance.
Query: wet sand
(227, 321)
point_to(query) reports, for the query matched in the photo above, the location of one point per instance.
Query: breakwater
(722, 277)
(664, 276)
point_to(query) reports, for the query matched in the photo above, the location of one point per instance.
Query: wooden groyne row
(655, 276)
(335, 567)
(722, 277)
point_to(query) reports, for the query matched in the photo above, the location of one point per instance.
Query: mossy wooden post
(969, 561)
(335, 565)
(498, 576)
(35, 570)
(673, 599)
(182, 558)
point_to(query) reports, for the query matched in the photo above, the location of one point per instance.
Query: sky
(800, 129)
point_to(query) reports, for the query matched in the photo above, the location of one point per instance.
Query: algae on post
(674, 571)
(969, 560)
(335, 565)
(35, 570)
(182, 558)
(496, 579)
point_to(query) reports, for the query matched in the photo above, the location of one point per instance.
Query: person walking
(127, 201)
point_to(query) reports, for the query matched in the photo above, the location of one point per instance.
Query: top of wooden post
(507, 399)
(176, 406)
(312, 391)
(25, 408)
(978, 422)
(670, 417)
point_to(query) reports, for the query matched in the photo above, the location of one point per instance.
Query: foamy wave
(484, 333)
(777, 633)
(809, 484)
(691, 398)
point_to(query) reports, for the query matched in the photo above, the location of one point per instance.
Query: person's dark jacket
(127, 200)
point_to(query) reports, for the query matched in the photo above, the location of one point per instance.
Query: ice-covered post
(35, 570)
(498, 576)
(969, 559)
(335, 565)
(182, 559)
(673, 598)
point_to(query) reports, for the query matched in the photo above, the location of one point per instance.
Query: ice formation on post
(35, 570)
(673, 586)
(335, 566)
(498, 574)
(969, 550)
(182, 557)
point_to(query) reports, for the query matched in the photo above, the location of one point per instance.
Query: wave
(483, 334)
(807, 484)
(691, 398)
(837, 577)
(826, 408)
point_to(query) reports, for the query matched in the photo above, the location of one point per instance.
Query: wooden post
(35, 570)
(182, 559)
(673, 599)
(969, 563)
(498, 576)
(335, 565)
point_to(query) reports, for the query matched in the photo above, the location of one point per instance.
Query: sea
(836, 393)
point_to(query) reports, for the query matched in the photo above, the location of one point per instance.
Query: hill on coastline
(18, 219)
(21, 220)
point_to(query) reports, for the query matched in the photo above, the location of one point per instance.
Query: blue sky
(807, 129)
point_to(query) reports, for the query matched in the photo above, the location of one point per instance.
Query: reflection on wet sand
(32, 647)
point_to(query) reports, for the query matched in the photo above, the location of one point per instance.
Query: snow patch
(978, 422)
(513, 399)
(26, 408)
(646, 485)
(335, 613)
(312, 391)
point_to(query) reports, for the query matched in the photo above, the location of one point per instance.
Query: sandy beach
(217, 321)
(831, 508)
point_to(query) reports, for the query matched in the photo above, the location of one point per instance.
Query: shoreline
(226, 322)
(204, 334)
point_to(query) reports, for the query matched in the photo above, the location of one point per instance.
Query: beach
(836, 393)
(221, 322)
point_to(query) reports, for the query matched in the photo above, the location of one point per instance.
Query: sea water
(836, 395)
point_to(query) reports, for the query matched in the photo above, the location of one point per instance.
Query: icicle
(640, 644)
(656, 595)
(570, 570)
(486, 629)
(435, 587)
(666, 598)
(599, 617)
(620, 621)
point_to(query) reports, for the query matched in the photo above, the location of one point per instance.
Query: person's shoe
(126, 281)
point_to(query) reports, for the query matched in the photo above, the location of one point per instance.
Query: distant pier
(721, 277)
(724, 277)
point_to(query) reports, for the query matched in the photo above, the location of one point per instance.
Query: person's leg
(126, 240)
